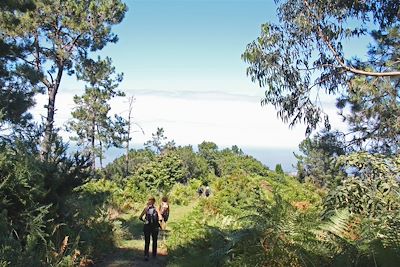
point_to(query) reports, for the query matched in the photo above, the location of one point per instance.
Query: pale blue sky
(187, 45)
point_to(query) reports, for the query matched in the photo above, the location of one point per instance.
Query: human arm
(160, 217)
(142, 214)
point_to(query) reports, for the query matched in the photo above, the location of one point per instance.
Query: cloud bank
(191, 117)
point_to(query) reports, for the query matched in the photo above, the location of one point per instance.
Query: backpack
(151, 215)
(164, 208)
(207, 192)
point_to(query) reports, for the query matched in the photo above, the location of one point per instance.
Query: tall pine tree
(57, 36)
(95, 129)
(18, 81)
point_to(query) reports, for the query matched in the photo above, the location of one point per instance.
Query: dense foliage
(316, 162)
(34, 215)
(274, 220)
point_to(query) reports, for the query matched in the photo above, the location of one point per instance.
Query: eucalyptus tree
(58, 35)
(94, 127)
(305, 56)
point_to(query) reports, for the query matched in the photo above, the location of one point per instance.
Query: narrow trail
(129, 252)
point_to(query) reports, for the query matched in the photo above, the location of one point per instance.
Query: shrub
(184, 194)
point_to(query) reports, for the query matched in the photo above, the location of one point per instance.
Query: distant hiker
(200, 191)
(207, 192)
(151, 217)
(164, 210)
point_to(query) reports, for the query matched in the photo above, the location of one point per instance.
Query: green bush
(184, 194)
(89, 217)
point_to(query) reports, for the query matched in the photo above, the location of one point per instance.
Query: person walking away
(164, 210)
(200, 191)
(151, 217)
(207, 192)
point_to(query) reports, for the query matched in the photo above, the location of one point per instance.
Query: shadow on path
(131, 257)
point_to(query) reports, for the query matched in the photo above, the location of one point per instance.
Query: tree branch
(37, 55)
(59, 75)
(23, 59)
(51, 77)
(73, 42)
(340, 60)
(38, 63)
(318, 67)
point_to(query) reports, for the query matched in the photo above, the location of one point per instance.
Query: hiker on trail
(151, 217)
(200, 191)
(207, 192)
(164, 210)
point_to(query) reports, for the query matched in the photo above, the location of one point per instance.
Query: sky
(182, 62)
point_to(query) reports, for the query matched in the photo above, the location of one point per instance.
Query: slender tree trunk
(93, 154)
(100, 146)
(127, 150)
(49, 126)
(48, 130)
(101, 155)
(131, 99)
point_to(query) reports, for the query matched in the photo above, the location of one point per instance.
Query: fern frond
(338, 223)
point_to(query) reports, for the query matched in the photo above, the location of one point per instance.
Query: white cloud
(203, 117)
(190, 118)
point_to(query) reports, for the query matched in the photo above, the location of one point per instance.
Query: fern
(280, 236)
(338, 224)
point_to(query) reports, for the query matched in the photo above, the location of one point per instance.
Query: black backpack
(207, 192)
(152, 215)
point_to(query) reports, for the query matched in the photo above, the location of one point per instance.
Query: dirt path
(129, 252)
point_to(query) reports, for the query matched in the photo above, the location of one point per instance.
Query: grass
(192, 253)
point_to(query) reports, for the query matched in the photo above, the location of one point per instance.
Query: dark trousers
(150, 230)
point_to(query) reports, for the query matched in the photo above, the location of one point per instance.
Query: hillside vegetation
(254, 217)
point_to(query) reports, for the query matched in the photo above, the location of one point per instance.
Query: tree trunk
(93, 154)
(101, 155)
(131, 99)
(127, 153)
(48, 130)
(49, 127)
